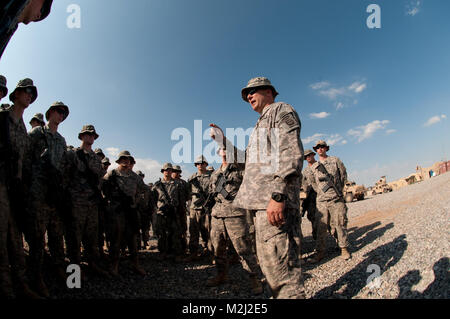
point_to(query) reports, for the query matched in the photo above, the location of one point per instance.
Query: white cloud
(319, 85)
(313, 138)
(320, 115)
(390, 131)
(335, 139)
(413, 7)
(339, 105)
(434, 120)
(333, 93)
(112, 151)
(366, 131)
(357, 87)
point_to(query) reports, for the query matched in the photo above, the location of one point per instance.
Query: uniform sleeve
(342, 171)
(289, 147)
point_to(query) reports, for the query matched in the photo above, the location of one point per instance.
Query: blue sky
(140, 69)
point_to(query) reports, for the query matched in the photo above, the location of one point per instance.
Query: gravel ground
(404, 235)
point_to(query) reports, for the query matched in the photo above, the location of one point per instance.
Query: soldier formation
(64, 197)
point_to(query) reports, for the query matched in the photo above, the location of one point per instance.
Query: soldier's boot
(99, 271)
(318, 256)
(136, 267)
(221, 278)
(115, 267)
(256, 285)
(41, 287)
(24, 291)
(345, 254)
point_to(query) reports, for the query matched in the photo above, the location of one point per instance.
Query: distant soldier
(121, 187)
(85, 171)
(14, 12)
(145, 209)
(48, 154)
(271, 187)
(182, 211)
(229, 224)
(309, 203)
(103, 206)
(106, 163)
(168, 228)
(37, 120)
(330, 176)
(199, 218)
(15, 167)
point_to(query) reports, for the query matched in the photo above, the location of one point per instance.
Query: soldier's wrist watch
(278, 197)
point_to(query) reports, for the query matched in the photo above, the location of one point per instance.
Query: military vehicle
(352, 191)
(381, 186)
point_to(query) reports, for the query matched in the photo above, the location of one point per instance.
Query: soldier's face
(32, 11)
(201, 167)
(167, 173)
(35, 123)
(259, 98)
(56, 116)
(175, 175)
(23, 98)
(310, 159)
(321, 150)
(124, 163)
(88, 138)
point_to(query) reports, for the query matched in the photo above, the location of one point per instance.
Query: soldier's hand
(216, 133)
(275, 213)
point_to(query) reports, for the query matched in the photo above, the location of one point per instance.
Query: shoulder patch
(289, 119)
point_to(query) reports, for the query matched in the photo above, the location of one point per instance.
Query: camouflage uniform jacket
(308, 180)
(273, 159)
(41, 139)
(173, 190)
(9, 17)
(129, 183)
(195, 181)
(233, 174)
(336, 169)
(185, 189)
(144, 200)
(81, 189)
(20, 146)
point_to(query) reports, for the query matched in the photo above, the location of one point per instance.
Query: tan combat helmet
(258, 82)
(308, 152)
(58, 105)
(100, 153)
(25, 84)
(176, 168)
(38, 117)
(3, 85)
(123, 154)
(105, 161)
(321, 143)
(88, 129)
(200, 159)
(166, 166)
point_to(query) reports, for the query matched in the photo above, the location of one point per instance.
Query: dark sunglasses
(60, 111)
(28, 90)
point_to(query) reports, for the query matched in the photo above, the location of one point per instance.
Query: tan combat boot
(256, 285)
(221, 278)
(318, 256)
(345, 253)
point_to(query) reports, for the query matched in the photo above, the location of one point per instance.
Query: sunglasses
(28, 90)
(60, 111)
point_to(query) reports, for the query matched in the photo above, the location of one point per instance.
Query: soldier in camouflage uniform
(329, 178)
(85, 171)
(48, 154)
(121, 187)
(199, 217)
(271, 187)
(309, 203)
(168, 228)
(102, 206)
(37, 120)
(145, 212)
(182, 211)
(228, 224)
(15, 167)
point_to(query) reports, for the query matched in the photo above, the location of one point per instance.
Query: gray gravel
(404, 234)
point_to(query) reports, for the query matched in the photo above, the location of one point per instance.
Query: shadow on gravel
(438, 289)
(350, 284)
(363, 236)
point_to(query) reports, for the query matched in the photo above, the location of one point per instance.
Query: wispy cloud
(320, 115)
(364, 132)
(312, 138)
(341, 95)
(435, 119)
(331, 139)
(390, 131)
(413, 7)
(112, 151)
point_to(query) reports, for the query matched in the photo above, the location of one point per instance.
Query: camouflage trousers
(199, 225)
(311, 215)
(121, 233)
(44, 218)
(234, 229)
(83, 229)
(332, 215)
(278, 250)
(11, 247)
(146, 218)
(169, 234)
